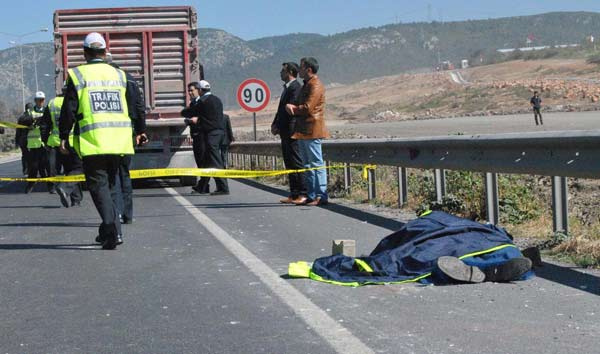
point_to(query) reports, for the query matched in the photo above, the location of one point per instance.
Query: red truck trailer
(158, 46)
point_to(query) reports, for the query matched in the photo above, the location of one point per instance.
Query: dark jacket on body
(209, 110)
(283, 121)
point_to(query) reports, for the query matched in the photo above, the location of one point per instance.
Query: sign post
(253, 95)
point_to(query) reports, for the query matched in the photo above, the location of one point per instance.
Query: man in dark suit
(198, 145)
(207, 115)
(227, 139)
(283, 124)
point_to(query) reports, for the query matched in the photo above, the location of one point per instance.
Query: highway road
(206, 274)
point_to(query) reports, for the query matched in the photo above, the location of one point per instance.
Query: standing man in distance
(96, 102)
(536, 104)
(198, 145)
(208, 115)
(21, 137)
(50, 135)
(228, 138)
(283, 124)
(310, 129)
(37, 162)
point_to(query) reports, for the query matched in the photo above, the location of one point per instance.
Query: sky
(262, 18)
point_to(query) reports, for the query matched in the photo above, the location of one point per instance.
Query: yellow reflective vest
(34, 136)
(105, 127)
(54, 107)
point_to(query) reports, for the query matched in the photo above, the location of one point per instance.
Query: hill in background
(345, 57)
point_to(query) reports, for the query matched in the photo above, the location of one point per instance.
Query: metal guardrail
(557, 154)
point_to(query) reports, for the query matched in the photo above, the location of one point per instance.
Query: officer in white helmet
(38, 162)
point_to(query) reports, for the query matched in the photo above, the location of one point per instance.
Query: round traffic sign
(253, 95)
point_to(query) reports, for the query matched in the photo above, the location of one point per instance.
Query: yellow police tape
(12, 125)
(181, 172)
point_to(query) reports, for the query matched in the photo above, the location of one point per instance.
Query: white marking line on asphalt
(340, 338)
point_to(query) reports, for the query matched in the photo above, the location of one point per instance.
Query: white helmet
(40, 95)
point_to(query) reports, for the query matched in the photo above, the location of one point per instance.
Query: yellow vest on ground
(54, 107)
(34, 136)
(105, 128)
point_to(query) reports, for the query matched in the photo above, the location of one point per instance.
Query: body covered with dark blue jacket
(410, 254)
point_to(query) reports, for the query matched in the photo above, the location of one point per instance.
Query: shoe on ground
(75, 204)
(288, 200)
(511, 270)
(52, 190)
(533, 253)
(126, 220)
(457, 270)
(196, 190)
(220, 193)
(300, 200)
(317, 202)
(99, 239)
(29, 188)
(112, 242)
(64, 200)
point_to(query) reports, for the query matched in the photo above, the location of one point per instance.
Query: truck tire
(187, 181)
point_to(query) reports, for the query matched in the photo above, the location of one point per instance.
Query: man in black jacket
(21, 136)
(206, 116)
(198, 144)
(228, 138)
(283, 124)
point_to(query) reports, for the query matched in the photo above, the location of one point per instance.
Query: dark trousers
(53, 163)
(293, 161)
(36, 164)
(224, 149)
(101, 177)
(536, 113)
(199, 147)
(72, 165)
(123, 192)
(24, 157)
(213, 159)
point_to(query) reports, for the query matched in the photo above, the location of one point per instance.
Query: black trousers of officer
(24, 159)
(199, 147)
(101, 176)
(293, 161)
(73, 166)
(123, 191)
(54, 162)
(212, 156)
(36, 164)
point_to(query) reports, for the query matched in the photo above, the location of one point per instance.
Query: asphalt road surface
(205, 274)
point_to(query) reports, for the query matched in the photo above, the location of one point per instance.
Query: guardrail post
(347, 177)
(274, 163)
(327, 174)
(245, 159)
(371, 181)
(402, 187)
(440, 184)
(491, 198)
(560, 213)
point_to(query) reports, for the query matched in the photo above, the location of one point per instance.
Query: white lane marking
(340, 338)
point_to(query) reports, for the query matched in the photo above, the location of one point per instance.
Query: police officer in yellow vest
(50, 138)
(37, 158)
(96, 103)
(71, 163)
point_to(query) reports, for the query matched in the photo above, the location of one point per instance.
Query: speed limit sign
(253, 95)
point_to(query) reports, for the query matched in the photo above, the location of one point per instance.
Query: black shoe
(29, 188)
(457, 270)
(196, 190)
(64, 200)
(99, 239)
(52, 190)
(126, 220)
(513, 269)
(220, 193)
(533, 253)
(75, 204)
(110, 243)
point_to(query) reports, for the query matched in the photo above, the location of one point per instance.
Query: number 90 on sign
(253, 95)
